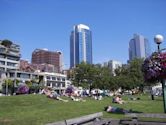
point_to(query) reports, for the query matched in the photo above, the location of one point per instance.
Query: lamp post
(158, 40)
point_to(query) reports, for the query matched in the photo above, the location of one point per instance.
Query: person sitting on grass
(118, 99)
(112, 109)
(53, 95)
(98, 95)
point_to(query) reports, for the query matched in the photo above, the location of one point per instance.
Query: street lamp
(158, 40)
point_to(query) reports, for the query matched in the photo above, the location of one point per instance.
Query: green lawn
(38, 110)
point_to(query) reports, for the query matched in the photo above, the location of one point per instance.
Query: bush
(34, 88)
(22, 89)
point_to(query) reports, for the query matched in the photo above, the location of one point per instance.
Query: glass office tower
(138, 47)
(80, 45)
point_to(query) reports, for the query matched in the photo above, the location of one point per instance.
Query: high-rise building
(138, 47)
(43, 56)
(80, 45)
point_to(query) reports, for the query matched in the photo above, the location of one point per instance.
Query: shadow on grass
(120, 113)
(117, 110)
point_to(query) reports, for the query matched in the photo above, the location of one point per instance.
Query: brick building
(43, 56)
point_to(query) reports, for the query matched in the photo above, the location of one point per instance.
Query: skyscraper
(80, 45)
(138, 47)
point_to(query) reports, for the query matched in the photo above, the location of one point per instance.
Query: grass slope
(39, 110)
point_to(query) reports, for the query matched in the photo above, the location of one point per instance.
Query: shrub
(22, 89)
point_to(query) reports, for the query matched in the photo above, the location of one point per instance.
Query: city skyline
(113, 23)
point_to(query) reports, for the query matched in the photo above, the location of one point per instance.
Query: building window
(48, 84)
(63, 84)
(48, 77)
(11, 64)
(23, 75)
(2, 69)
(63, 79)
(53, 78)
(11, 75)
(54, 85)
(2, 62)
(2, 50)
(58, 78)
(2, 56)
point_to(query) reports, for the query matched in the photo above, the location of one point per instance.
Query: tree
(87, 76)
(130, 76)
(8, 86)
(102, 79)
(6, 43)
(124, 70)
(91, 76)
(136, 74)
(94, 76)
(83, 75)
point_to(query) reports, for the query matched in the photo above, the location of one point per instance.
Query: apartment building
(9, 58)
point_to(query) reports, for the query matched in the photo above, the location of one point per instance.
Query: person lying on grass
(118, 110)
(53, 95)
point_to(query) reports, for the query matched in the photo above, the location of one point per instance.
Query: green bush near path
(39, 110)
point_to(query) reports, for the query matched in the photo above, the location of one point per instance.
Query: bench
(137, 121)
(80, 120)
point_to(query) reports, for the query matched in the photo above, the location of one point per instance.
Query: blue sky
(47, 24)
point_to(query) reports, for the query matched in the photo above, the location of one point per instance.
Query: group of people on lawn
(54, 95)
(112, 109)
(50, 93)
